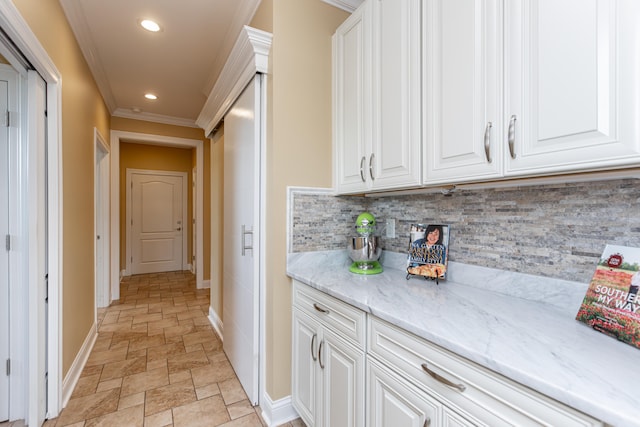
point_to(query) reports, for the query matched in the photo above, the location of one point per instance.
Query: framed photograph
(428, 251)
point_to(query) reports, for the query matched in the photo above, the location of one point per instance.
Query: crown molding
(156, 118)
(348, 5)
(75, 15)
(250, 55)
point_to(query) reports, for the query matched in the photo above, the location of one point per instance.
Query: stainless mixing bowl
(364, 249)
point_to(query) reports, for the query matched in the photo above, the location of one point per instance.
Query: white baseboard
(279, 412)
(216, 322)
(206, 284)
(71, 379)
(123, 273)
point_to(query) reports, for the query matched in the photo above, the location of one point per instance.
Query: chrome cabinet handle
(313, 354)
(427, 422)
(244, 234)
(442, 379)
(487, 142)
(320, 309)
(362, 169)
(512, 136)
(371, 167)
(320, 355)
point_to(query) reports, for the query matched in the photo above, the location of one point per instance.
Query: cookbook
(612, 304)
(428, 251)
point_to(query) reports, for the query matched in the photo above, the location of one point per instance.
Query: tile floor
(158, 362)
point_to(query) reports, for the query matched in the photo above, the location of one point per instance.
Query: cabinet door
(394, 402)
(342, 367)
(462, 92)
(571, 76)
(395, 158)
(305, 385)
(351, 108)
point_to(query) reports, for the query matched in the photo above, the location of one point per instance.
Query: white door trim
(101, 206)
(116, 137)
(129, 211)
(25, 40)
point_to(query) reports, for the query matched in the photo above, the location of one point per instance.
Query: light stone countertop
(518, 325)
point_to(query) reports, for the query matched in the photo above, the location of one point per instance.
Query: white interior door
(4, 256)
(101, 208)
(241, 314)
(158, 208)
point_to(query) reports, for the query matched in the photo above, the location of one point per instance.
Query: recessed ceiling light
(150, 25)
(150, 96)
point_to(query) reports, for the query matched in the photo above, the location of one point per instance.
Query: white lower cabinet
(398, 379)
(328, 371)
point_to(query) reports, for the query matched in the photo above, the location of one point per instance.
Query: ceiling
(179, 64)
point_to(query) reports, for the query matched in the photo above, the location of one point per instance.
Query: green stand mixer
(365, 249)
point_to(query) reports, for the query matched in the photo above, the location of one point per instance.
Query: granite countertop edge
(520, 326)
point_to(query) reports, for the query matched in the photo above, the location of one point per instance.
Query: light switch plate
(391, 228)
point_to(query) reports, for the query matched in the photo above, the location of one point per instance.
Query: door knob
(179, 228)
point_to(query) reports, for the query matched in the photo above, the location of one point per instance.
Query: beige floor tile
(239, 409)
(155, 364)
(203, 413)
(213, 373)
(251, 420)
(86, 385)
(85, 407)
(185, 361)
(146, 342)
(232, 391)
(145, 381)
(123, 368)
(109, 384)
(207, 391)
(166, 351)
(198, 337)
(102, 357)
(179, 330)
(161, 419)
(131, 400)
(167, 397)
(130, 417)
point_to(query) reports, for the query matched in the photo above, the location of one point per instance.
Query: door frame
(101, 208)
(17, 29)
(163, 140)
(129, 210)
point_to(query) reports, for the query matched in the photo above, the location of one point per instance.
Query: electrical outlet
(391, 228)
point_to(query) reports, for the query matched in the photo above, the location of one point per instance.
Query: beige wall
(139, 126)
(82, 109)
(298, 148)
(153, 157)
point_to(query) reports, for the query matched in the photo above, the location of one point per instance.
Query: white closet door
(240, 313)
(4, 255)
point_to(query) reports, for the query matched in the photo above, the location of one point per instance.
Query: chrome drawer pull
(487, 142)
(442, 379)
(512, 136)
(313, 355)
(371, 167)
(320, 309)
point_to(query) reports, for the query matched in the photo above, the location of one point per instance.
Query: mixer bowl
(364, 249)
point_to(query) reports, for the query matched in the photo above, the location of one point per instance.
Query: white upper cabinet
(377, 121)
(571, 81)
(438, 92)
(462, 67)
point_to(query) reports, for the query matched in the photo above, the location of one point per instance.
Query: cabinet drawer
(344, 319)
(483, 394)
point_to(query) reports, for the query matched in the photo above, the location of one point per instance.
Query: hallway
(157, 362)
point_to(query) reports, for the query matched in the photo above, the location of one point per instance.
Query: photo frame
(428, 251)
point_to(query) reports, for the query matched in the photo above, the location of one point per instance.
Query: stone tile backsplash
(552, 230)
